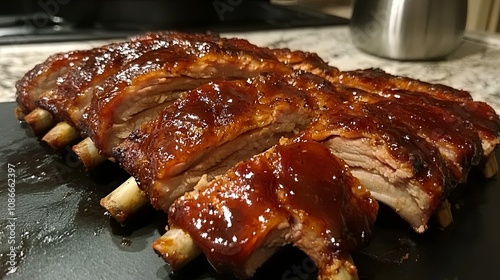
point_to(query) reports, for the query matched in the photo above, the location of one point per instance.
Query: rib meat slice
(75, 87)
(307, 62)
(64, 76)
(399, 168)
(123, 85)
(44, 77)
(110, 118)
(297, 193)
(209, 130)
(459, 104)
(408, 148)
(376, 80)
(477, 116)
(429, 118)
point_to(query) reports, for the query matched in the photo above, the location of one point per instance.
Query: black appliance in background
(60, 20)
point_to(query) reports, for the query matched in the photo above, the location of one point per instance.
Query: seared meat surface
(44, 77)
(298, 193)
(75, 88)
(376, 80)
(463, 131)
(458, 104)
(211, 124)
(135, 94)
(400, 159)
(412, 176)
(115, 88)
(458, 143)
(307, 62)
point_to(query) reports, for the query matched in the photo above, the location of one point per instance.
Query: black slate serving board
(61, 232)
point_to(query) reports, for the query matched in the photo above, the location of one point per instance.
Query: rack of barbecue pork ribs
(249, 149)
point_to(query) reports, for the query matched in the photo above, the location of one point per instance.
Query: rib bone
(443, 215)
(177, 248)
(124, 200)
(88, 153)
(490, 168)
(60, 136)
(39, 120)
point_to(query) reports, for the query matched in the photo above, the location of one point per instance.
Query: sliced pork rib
(457, 141)
(458, 103)
(75, 87)
(399, 168)
(120, 86)
(133, 95)
(376, 80)
(72, 72)
(64, 82)
(408, 148)
(297, 193)
(44, 77)
(307, 62)
(210, 129)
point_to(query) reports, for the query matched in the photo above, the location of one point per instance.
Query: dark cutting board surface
(61, 231)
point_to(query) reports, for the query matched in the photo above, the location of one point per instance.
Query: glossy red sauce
(297, 183)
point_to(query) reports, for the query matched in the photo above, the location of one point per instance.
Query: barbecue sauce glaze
(300, 189)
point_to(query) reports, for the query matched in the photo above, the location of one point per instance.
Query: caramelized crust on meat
(458, 104)
(75, 88)
(376, 80)
(44, 77)
(429, 118)
(117, 87)
(159, 75)
(308, 62)
(408, 148)
(215, 121)
(300, 190)
(412, 176)
(404, 156)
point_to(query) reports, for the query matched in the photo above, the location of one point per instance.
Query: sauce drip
(300, 185)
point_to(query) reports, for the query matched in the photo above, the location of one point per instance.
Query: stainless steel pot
(408, 29)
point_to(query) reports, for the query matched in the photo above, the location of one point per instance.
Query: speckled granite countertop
(474, 66)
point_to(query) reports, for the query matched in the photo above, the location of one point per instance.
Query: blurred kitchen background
(48, 20)
(483, 15)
